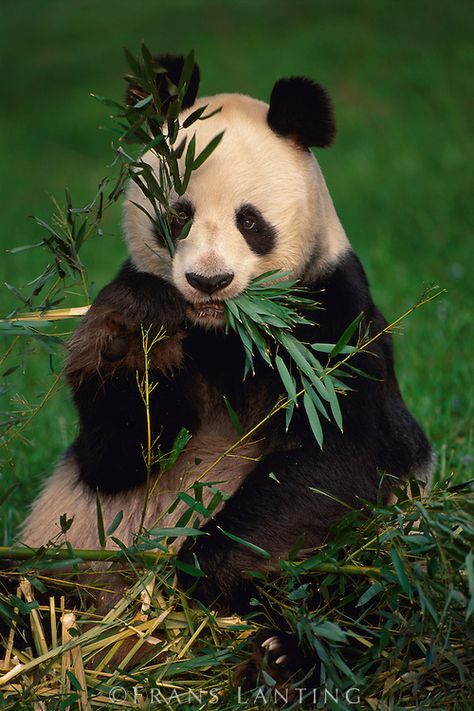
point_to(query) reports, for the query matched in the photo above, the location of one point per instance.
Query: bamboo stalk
(48, 315)
(92, 555)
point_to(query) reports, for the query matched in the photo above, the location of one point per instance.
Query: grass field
(400, 173)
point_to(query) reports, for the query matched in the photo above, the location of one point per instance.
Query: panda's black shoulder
(343, 292)
(345, 282)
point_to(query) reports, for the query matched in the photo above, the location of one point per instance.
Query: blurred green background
(400, 74)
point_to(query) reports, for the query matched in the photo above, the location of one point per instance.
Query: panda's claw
(271, 643)
(279, 655)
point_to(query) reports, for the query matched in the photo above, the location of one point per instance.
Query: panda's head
(258, 203)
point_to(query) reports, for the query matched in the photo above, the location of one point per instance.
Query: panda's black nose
(209, 284)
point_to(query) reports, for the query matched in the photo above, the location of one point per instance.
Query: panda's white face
(258, 203)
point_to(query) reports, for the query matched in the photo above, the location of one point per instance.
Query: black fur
(261, 237)
(174, 66)
(301, 109)
(379, 433)
(379, 436)
(112, 416)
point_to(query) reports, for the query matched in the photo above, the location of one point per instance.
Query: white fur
(63, 493)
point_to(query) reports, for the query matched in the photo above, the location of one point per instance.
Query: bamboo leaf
(206, 152)
(143, 102)
(234, 418)
(313, 418)
(286, 377)
(187, 70)
(115, 523)
(192, 570)
(247, 544)
(346, 336)
(400, 571)
(333, 402)
(194, 116)
(100, 521)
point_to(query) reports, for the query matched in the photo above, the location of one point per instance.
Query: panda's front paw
(106, 342)
(144, 301)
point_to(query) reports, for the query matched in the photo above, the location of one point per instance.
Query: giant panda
(259, 203)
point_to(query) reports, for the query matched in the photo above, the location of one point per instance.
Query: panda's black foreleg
(106, 371)
(276, 505)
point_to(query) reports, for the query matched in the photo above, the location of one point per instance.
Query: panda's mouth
(211, 309)
(210, 313)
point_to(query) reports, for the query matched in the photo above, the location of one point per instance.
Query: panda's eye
(182, 217)
(183, 212)
(249, 223)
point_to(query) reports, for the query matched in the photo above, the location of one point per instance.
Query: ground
(400, 173)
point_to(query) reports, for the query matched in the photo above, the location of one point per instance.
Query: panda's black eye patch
(183, 212)
(259, 234)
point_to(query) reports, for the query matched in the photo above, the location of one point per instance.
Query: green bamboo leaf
(186, 72)
(23, 248)
(132, 62)
(234, 418)
(246, 340)
(149, 63)
(115, 523)
(247, 544)
(206, 152)
(333, 402)
(108, 102)
(193, 504)
(233, 308)
(74, 681)
(190, 153)
(329, 630)
(185, 230)
(257, 338)
(290, 344)
(371, 592)
(153, 144)
(400, 571)
(100, 521)
(360, 372)
(162, 533)
(313, 418)
(143, 102)
(346, 336)
(300, 355)
(329, 347)
(286, 377)
(194, 116)
(192, 570)
(289, 412)
(318, 403)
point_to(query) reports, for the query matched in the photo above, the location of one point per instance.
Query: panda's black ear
(174, 66)
(300, 108)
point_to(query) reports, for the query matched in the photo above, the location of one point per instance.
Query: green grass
(400, 174)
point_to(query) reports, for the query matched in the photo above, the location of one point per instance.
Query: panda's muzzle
(209, 285)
